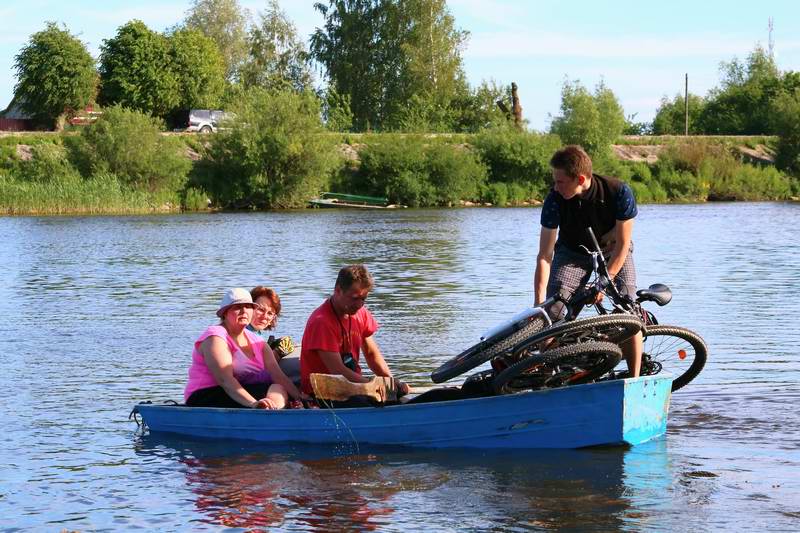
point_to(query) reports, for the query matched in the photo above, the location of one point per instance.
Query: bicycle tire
(485, 350)
(572, 364)
(681, 351)
(613, 328)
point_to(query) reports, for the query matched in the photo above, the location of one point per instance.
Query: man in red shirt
(340, 330)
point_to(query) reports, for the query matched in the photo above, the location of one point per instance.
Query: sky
(640, 50)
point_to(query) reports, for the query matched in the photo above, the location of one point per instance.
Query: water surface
(98, 313)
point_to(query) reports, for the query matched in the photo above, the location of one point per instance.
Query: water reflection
(124, 297)
(244, 485)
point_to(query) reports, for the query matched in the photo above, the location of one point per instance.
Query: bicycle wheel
(679, 350)
(485, 350)
(613, 328)
(572, 364)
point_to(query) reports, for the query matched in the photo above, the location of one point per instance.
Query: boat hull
(628, 411)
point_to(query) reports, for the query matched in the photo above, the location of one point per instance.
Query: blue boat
(629, 411)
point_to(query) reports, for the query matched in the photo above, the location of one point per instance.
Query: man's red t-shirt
(329, 333)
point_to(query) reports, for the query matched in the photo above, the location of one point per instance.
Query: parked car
(203, 120)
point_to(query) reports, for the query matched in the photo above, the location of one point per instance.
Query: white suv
(205, 120)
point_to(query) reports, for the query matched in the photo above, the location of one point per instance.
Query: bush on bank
(273, 155)
(520, 160)
(418, 171)
(281, 162)
(699, 171)
(120, 164)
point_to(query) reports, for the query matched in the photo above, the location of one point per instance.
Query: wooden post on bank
(516, 108)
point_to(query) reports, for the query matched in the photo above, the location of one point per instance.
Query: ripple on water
(126, 296)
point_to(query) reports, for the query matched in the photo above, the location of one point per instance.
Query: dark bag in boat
(282, 346)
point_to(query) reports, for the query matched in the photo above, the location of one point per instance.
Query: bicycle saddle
(657, 292)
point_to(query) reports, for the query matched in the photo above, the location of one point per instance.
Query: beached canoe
(352, 201)
(629, 411)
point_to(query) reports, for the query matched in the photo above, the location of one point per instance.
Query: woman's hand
(264, 403)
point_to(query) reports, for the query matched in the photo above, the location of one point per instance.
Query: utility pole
(771, 41)
(686, 106)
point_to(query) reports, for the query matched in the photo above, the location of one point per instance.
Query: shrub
(415, 171)
(194, 200)
(456, 173)
(100, 194)
(273, 155)
(496, 194)
(48, 162)
(751, 183)
(129, 145)
(518, 157)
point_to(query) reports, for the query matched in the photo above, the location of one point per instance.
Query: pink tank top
(247, 371)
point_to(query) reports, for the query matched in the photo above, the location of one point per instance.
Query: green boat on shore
(341, 200)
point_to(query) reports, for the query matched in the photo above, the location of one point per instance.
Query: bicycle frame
(599, 282)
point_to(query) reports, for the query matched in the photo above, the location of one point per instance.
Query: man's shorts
(570, 271)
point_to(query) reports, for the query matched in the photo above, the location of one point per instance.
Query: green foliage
(194, 200)
(422, 114)
(632, 127)
(274, 154)
(515, 156)
(225, 23)
(336, 111)
(742, 106)
(455, 172)
(72, 195)
(476, 109)
(129, 144)
(786, 123)
(593, 121)
(135, 71)
(56, 75)
(277, 56)
(49, 162)
(412, 170)
(671, 116)
(496, 194)
(199, 70)
(384, 52)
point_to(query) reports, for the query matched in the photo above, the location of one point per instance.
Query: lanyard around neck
(345, 334)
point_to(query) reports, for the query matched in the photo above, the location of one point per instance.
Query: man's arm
(547, 244)
(374, 358)
(623, 230)
(333, 362)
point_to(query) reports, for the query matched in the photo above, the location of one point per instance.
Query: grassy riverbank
(124, 170)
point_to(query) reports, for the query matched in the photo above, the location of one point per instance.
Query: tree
(277, 56)
(671, 115)
(742, 105)
(225, 22)
(593, 121)
(129, 145)
(136, 71)
(56, 75)
(394, 58)
(273, 155)
(432, 49)
(336, 111)
(199, 69)
(786, 123)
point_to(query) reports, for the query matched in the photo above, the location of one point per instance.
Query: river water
(99, 313)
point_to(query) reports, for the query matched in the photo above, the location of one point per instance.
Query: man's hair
(352, 274)
(573, 160)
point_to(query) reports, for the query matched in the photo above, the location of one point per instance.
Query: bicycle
(520, 340)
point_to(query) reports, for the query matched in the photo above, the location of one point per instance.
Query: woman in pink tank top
(233, 367)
